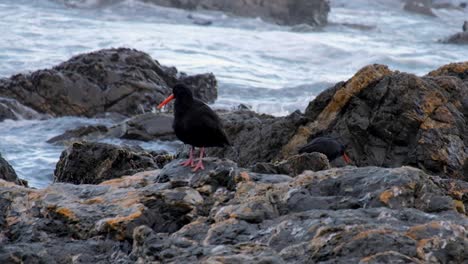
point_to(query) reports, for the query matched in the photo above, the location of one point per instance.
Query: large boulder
(123, 81)
(283, 12)
(92, 163)
(392, 119)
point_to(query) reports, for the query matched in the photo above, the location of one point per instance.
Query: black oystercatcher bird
(330, 147)
(195, 123)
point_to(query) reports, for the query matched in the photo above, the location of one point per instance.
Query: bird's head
(180, 92)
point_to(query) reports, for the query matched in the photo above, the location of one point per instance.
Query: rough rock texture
(256, 137)
(229, 215)
(392, 119)
(145, 127)
(12, 109)
(7, 173)
(121, 80)
(294, 165)
(459, 38)
(92, 163)
(283, 12)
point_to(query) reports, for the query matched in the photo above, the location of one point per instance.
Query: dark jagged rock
(294, 165)
(80, 133)
(458, 38)
(145, 127)
(227, 214)
(284, 12)
(124, 81)
(12, 109)
(255, 137)
(7, 173)
(392, 119)
(92, 163)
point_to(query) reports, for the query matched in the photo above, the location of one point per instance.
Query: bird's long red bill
(346, 158)
(166, 101)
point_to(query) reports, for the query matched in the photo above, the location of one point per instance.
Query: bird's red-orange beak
(346, 158)
(166, 101)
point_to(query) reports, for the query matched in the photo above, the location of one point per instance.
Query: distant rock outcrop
(283, 12)
(123, 81)
(7, 173)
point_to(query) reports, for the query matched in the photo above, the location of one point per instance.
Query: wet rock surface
(294, 165)
(92, 163)
(230, 215)
(123, 81)
(392, 119)
(256, 137)
(283, 12)
(13, 110)
(458, 38)
(7, 173)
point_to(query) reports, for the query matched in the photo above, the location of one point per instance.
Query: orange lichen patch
(428, 243)
(244, 176)
(432, 124)
(460, 207)
(11, 220)
(132, 198)
(127, 181)
(418, 232)
(460, 67)
(96, 200)
(116, 222)
(356, 84)
(385, 196)
(67, 213)
(367, 233)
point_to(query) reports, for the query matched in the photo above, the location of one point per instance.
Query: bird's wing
(211, 126)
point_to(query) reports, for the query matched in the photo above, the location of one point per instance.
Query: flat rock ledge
(227, 214)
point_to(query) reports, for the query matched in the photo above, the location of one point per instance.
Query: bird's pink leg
(200, 161)
(190, 161)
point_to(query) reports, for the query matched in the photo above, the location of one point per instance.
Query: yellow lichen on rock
(355, 85)
(459, 67)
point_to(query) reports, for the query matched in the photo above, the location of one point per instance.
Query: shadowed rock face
(92, 163)
(392, 119)
(283, 12)
(227, 214)
(123, 81)
(7, 173)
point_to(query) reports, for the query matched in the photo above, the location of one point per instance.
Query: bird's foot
(188, 162)
(199, 166)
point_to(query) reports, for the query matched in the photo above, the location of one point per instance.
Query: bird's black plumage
(195, 123)
(330, 147)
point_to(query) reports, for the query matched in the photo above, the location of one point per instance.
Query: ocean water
(274, 69)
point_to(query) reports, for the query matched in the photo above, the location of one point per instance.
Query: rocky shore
(403, 200)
